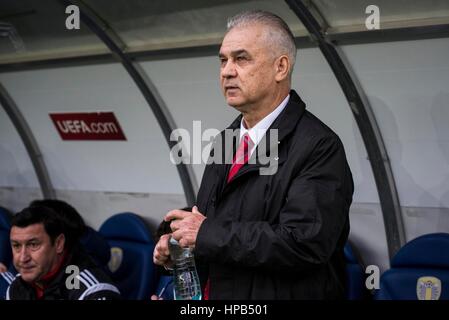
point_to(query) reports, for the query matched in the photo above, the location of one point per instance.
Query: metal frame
(389, 35)
(29, 141)
(57, 63)
(148, 90)
(367, 124)
(343, 38)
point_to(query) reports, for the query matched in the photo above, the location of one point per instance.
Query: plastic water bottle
(185, 277)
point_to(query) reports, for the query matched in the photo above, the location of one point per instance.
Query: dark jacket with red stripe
(278, 236)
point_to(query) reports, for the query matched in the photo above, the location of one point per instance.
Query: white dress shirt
(257, 132)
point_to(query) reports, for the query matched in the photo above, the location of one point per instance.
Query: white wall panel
(140, 164)
(16, 169)
(407, 84)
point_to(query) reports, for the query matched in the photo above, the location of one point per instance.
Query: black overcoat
(281, 235)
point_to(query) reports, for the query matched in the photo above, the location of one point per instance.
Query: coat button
(276, 158)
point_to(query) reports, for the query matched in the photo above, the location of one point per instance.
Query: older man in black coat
(268, 230)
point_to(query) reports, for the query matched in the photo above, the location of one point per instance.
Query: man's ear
(60, 243)
(282, 65)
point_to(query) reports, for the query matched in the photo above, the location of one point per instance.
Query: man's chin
(29, 278)
(28, 275)
(232, 102)
(237, 107)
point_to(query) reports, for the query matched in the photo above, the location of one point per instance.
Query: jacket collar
(286, 121)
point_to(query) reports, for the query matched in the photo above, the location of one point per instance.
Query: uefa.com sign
(88, 126)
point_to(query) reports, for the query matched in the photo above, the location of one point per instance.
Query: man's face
(33, 253)
(247, 66)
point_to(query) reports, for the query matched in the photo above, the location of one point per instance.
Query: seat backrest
(419, 271)
(96, 246)
(5, 245)
(355, 275)
(131, 262)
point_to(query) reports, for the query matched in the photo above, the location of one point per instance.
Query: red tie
(241, 157)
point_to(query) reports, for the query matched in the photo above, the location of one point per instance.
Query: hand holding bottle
(185, 225)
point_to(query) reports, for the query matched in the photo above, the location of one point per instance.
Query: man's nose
(24, 255)
(228, 70)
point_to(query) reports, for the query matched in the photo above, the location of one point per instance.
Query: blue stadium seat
(419, 271)
(355, 275)
(97, 247)
(131, 262)
(5, 245)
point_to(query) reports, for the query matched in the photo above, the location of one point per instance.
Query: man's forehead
(30, 232)
(243, 38)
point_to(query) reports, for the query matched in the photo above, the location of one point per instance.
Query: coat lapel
(285, 123)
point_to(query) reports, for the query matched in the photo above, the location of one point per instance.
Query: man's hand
(161, 254)
(185, 225)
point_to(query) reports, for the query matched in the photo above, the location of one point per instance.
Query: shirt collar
(257, 132)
